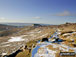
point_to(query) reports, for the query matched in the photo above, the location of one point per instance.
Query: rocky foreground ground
(9, 44)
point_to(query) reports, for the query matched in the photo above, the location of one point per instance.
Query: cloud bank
(36, 17)
(2, 18)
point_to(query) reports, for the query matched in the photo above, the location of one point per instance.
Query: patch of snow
(31, 34)
(72, 39)
(39, 32)
(45, 52)
(51, 52)
(44, 35)
(59, 33)
(4, 53)
(74, 32)
(6, 45)
(55, 46)
(53, 40)
(23, 35)
(15, 39)
(60, 46)
(66, 34)
(69, 33)
(58, 29)
(74, 49)
(68, 37)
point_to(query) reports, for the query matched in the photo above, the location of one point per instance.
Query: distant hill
(6, 30)
(22, 24)
(6, 27)
(19, 24)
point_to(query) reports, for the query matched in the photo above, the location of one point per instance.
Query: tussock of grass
(26, 53)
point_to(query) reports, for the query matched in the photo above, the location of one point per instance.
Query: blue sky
(38, 11)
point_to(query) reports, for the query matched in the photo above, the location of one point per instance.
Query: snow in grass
(66, 34)
(23, 35)
(58, 30)
(6, 45)
(4, 53)
(44, 35)
(52, 53)
(15, 39)
(46, 52)
(74, 32)
(39, 32)
(32, 34)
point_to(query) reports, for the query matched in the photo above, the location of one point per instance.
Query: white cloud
(65, 13)
(36, 17)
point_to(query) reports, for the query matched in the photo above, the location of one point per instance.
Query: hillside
(6, 27)
(29, 35)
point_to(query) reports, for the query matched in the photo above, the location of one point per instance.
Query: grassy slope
(26, 53)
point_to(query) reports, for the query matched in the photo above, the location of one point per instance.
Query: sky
(38, 11)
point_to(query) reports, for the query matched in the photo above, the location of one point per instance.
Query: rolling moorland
(13, 37)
